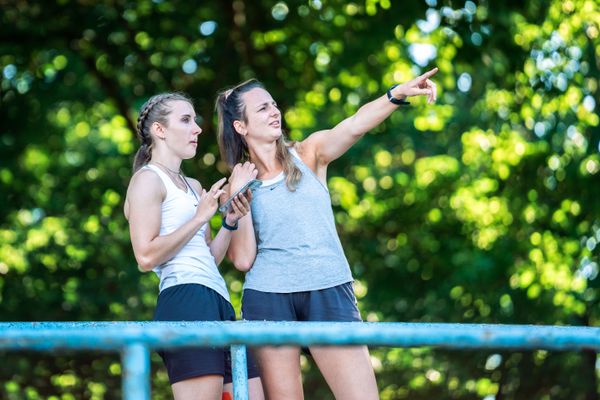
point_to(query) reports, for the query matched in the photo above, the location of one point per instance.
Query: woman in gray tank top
(296, 267)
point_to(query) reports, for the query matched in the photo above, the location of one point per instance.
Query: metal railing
(135, 340)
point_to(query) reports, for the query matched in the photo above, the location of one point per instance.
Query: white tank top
(193, 263)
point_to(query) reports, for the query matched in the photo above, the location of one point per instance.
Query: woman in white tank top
(168, 216)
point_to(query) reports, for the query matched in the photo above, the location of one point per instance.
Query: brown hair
(156, 109)
(230, 107)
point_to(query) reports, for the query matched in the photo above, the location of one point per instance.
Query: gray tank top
(298, 248)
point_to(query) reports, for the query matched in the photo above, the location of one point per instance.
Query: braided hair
(231, 107)
(156, 109)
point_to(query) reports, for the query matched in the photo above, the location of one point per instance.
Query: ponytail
(142, 157)
(233, 148)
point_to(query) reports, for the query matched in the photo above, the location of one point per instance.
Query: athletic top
(193, 263)
(298, 248)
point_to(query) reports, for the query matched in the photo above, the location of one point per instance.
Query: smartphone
(253, 184)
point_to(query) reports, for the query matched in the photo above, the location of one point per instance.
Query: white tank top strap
(169, 185)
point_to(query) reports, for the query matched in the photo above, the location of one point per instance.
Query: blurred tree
(482, 208)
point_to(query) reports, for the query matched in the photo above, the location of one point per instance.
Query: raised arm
(327, 145)
(143, 210)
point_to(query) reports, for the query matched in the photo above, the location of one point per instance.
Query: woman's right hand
(209, 201)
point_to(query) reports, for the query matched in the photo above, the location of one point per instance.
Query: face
(263, 118)
(181, 133)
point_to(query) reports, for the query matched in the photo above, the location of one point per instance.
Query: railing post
(239, 372)
(136, 372)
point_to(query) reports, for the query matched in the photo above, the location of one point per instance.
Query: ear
(240, 127)
(158, 130)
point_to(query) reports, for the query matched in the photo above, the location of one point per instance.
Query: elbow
(242, 265)
(241, 262)
(145, 263)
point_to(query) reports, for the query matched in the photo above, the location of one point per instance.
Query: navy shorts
(193, 302)
(336, 304)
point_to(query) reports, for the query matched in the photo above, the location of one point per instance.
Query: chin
(188, 155)
(277, 133)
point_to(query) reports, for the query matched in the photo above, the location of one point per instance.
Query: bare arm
(219, 245)
(242, 249)
(327, 145)
(143, 210)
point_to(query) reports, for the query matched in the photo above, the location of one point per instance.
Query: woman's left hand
(241, 174)
(240, 206)
(420, 86)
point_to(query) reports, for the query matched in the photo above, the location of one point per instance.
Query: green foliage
(482, 208)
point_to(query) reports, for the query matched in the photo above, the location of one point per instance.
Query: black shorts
(193, 302)
(336, 304)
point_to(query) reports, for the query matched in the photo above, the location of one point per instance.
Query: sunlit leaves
(430, 169)
(36, 160)
(13, 256)
(549, 271)
(488, 215)
(434, 119)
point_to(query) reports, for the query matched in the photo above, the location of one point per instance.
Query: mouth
(194, 143)
(275, 124)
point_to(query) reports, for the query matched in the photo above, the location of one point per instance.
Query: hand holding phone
(251, 185)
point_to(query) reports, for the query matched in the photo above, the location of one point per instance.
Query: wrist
(395, 95)
(200, 220)
(229, 226)
(230, 220)
(202, 217)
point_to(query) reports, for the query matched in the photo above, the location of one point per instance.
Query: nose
(197, 129)
(275, 111)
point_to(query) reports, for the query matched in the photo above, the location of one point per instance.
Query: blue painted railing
(135, 340)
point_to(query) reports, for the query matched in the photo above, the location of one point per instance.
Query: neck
(171, 163)
(264, 156)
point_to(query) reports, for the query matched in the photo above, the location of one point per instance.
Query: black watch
(394, 100)
(229, 227)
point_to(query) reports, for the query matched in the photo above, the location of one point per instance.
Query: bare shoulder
(146, 180)
(145, 186)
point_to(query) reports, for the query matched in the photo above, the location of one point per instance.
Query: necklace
(168, 169)
(182, 177)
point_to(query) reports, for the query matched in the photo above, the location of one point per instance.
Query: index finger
(218, 184)
(428, 74)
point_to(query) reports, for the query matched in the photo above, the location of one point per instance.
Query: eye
(185, 119)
